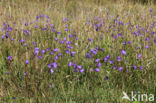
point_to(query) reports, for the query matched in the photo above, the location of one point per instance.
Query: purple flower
(2, 36)
(97, 60)
(73, 53)
(43, 51)
(147, 39)
(120, 35)
(88, 55)
(49, 65)
(59, 54)
(120, 68)
(67, 51)
(48, 49)
(54, 65)
(118, 58)
(134, 67)
(22, 40)
(55, 50)
(150, 10)
(9, 57)
(34, 43)
(25, 74)
(99, 64)
(97, 69)
(68, 46)
(40, 56)
(51, 71)
(111, 61)
(79, 66)
(51, 53)
(114, 67)
(146, 46)
(70, 64)
(56, 39)
(139, 56)
(36, 50)
(82, 70)
(61, 41)
(105, 59)
(91, 70)
(123, 52)
(90, 39)
(56, 57)
(124, 43)
(74, 65)
(141, 67)
(106, 77)
(70, 35)
(102, 49)
(76, 38)
(50, 85)
(26, 61)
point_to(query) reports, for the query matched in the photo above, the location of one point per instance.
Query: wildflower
(74, 65)
(2, 37)
(90, 39)
(70, 64)
(56, 57)
(22, 40)
(141, 67)
(118, 58)
(25, 74)
(91, 70)
(102, 49)
(111, 61)
(36, 50)
(120, 68)
(73, 53)
(55, 50)
(49, 65)
(59, 54)
(40, 56)
(124, 43)
(97, 60)
(34, 43)
(50, 85)
(114, 67)
(51, 71)
(146, 46)
(134, 67)
(88, 55)
(99, 64)
(106, 77)
(79, 66)
(56, 39)
(43, 51)
(105, 59)
(82, 70)
(26, 61)
(97, 69)
(54, 65)
(123, 52)
(150, 10)
(139, 56)
(67, 51)
(51, 53)
(9, 57)
(70, 35)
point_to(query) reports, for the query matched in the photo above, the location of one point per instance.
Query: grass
(99, 30)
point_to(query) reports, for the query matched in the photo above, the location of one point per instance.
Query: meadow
(77, 51)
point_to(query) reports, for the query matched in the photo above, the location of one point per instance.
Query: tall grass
(99, 29)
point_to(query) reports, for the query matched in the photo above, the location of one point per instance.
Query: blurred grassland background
(34, 89)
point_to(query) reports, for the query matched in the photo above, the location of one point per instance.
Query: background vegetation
(96, 23)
